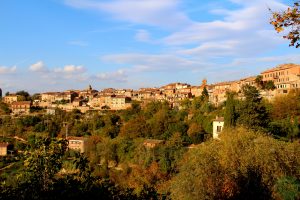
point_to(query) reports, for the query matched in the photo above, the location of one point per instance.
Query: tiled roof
(75, 138)
(153, 141)
(21, 103)
(4, 144)
(219, 119)
(281, 67)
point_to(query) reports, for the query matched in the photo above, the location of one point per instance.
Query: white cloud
(8, 70)
(38, 67)
(78, 43)
(70, 69)
(162, 13)
(260, 42)
(142, 36)
(116, 76)
(71, 72)
(239, 24)
(156, 62)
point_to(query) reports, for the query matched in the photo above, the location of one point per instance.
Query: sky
(55, 45)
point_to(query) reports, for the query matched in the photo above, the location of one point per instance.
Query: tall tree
(230, 112)
(251, 111)
(204, 94)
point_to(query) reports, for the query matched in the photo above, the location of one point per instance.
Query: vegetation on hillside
(257, 156)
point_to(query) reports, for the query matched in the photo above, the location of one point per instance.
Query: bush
(242, 165)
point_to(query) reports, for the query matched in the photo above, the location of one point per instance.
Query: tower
(90, 88)
(204, 83)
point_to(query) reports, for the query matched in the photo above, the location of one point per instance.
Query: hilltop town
(272, 82)
(139, 143)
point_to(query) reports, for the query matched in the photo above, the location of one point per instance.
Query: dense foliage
(242, 165)
(259, 160)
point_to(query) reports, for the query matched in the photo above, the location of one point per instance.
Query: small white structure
(218, 125)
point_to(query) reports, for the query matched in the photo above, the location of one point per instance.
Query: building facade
(218, 125)
(21, 107)
(285, 77)
(77, 143)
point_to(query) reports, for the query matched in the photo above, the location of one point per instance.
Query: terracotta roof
(225, 83)
(4, 144)
(280, 67)
(219, 119)
(250, 78)
(12, 95)
(108, 90)
(50, 93)
(120, 97)
(75, 138)
(153, 141)
(21, 103)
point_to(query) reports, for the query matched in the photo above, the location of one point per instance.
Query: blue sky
(54, 45)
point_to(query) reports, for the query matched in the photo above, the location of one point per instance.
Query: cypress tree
(230, 115)
(204, 94)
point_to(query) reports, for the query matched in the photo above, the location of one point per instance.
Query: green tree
(136, 127)
(43, 163)
(4, 109)
(24, 96)
(259, 81)
(204, 95)
(196, 133)
(294, 133)
(288, 188)
(241, 165)
(230, 110)
(251, 111)
(286, 106)
(269, 85)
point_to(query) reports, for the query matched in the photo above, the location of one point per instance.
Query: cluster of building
(285, 77)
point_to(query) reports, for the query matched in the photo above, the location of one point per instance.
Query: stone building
(21, 107)
(9, 99)
(285, 77)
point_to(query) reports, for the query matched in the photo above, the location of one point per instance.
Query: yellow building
(3, 149)
(285, 77)
(11, 98)
(21, 107)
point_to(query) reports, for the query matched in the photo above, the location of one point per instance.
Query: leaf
(279, 29)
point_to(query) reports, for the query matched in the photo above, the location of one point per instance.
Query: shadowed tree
(230, 110)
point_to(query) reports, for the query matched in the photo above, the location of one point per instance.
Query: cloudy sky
(53, 45)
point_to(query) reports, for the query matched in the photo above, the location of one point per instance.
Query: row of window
(75, 142)
(281, 80)
(276, 74)
(281, 86)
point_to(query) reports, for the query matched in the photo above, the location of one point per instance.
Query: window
(219, 129)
